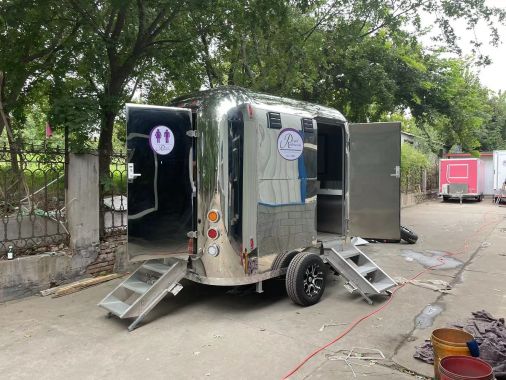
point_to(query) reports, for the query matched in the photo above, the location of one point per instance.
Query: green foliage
(413, 163)
(76, 63)
(493, 133)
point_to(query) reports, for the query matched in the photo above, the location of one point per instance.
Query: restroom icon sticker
(161, 140)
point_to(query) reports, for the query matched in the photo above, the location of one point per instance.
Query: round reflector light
(213, 250)
(213, 216)
(213, 233)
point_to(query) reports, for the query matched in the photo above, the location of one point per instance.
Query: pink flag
(49, 131)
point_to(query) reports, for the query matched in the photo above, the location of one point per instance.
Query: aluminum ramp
(363, 275)
(143, 289)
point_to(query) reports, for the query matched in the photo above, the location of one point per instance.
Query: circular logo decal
(161, 140)
(290, 144)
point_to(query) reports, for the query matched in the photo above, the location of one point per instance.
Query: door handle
(131, 175)
(397, 173)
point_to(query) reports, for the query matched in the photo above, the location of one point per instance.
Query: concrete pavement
(209, 332)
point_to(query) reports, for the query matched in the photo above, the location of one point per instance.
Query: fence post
(424, 181)
(82, 202)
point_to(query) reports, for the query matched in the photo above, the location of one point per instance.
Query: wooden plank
(78, 285)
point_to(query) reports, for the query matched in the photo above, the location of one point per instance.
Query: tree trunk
(5, 123)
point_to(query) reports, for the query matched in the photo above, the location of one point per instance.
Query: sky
(492, 76)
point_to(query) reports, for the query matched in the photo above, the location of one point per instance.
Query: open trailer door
(374, 188)
(160, 187)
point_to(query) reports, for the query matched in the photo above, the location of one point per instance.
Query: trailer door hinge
(192, 234)
(193, 133)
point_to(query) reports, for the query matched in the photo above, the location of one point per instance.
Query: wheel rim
(313, 280)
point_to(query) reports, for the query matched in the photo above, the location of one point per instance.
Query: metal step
(115, 306)
(136, 286)
(155, 266)
(382, 285)
(366, 269)
(140, 292)
(362, 274)
(349, 253)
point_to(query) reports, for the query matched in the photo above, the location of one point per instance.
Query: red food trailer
(461, 178)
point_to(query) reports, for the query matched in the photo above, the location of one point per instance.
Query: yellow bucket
(449, 342)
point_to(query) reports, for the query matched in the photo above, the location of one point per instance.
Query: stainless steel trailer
(232, 187)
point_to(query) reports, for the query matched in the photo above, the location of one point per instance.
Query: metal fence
(113, 202)
(32, 198)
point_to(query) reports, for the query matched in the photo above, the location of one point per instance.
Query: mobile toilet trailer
(461, 178)
(499, 174)
(231, 187)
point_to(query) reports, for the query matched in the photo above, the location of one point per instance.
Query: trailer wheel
(283, 260)
(408, 236)
(306, 278)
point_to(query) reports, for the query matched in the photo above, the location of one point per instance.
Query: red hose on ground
(366, 316)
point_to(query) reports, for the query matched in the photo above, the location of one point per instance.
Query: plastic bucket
(449, 342)
(464, 368)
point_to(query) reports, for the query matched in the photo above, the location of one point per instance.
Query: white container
(499, 169)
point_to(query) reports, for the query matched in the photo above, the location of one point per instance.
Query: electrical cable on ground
(366, 316)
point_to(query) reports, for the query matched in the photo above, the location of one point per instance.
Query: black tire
(408, 236)
(446, 199)
(283, 260)
(306, 278)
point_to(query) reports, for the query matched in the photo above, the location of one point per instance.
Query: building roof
(465, 155)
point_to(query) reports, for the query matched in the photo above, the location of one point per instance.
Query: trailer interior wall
(331, 170)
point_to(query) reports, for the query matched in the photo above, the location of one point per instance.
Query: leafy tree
(122, 44)
(493, 133)
(33, 38)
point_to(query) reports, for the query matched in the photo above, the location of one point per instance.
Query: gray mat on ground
(489, 332)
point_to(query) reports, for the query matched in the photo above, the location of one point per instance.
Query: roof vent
(274, 120)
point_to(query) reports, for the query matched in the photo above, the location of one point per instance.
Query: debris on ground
(358, 241)
(325, 325)
(436, 285)
(63, 290)
(425, 352)
(373, 355)
(489, 332)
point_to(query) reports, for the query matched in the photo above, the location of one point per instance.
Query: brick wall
(106, 258)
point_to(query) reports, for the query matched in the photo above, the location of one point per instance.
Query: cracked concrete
(208, 333)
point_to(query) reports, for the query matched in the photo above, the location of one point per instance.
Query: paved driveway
(211, 333)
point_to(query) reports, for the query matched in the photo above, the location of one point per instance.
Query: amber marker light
(213, 216)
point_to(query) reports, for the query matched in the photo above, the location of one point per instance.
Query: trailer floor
(212, 333)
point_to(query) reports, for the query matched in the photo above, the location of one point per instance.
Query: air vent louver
(307, 125)
(274, 120)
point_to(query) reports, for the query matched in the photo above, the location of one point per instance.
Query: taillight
(212, 233)
(213, 216)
